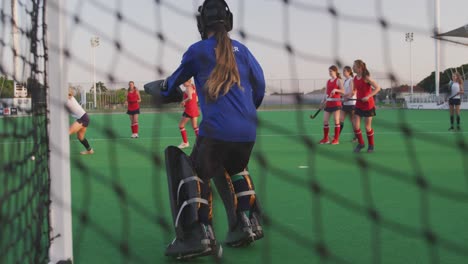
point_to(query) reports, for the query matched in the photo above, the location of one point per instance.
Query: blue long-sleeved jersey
(233, 116)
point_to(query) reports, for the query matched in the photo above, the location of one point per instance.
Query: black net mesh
(338, 207)
(24, 188)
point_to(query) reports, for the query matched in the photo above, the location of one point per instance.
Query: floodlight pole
(437, 44)
(15, 33)
(409, 38)
(94, 44)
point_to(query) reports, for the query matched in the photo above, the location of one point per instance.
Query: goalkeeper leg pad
(192, 237)
(243, 228)
(255, 213)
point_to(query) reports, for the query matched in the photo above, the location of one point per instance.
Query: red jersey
(363, 89)
(132, 100)
(191, 106)
(330, 86)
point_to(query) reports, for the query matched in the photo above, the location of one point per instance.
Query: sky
(317, 38)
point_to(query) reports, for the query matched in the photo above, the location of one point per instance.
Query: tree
(382, 95)
(6, 88)
(100, 87)
(121, 95)
(428, 83)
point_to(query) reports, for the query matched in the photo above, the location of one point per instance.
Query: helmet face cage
(212, 12)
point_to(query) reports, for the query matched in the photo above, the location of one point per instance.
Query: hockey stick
(331, 99)
(342, 99)
(316, 113)
(322, 105)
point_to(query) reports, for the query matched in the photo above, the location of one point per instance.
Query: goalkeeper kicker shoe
(256, 227)
(199, 242)
(242, 234)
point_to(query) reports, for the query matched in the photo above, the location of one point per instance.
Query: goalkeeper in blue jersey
(231, 86)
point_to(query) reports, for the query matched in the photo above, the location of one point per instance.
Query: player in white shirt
(456, 89)
(80, 125)
(349, 98)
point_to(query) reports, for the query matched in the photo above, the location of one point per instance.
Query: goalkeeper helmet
(211, 13)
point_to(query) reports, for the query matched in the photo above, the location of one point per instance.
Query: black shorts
(454, 101)
(332, 109)
(212, 157)
(133, 112)
(365, 113)
(186, 115)
(348, 109)
(84, 120)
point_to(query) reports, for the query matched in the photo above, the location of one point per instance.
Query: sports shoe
(184, 145)
(87, 152)
(324, 141)
(358, 148)
(354, 140)
(458, 128)
(451, 129)
(370, 149)
(134, 135)
(335, 142)
(242, 234)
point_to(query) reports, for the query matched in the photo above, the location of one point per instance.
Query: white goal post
(61, 248)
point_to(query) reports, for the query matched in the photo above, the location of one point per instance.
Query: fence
(279, 93)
